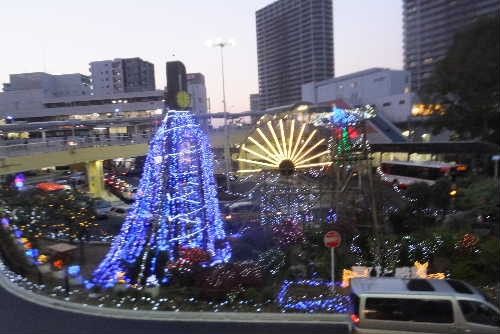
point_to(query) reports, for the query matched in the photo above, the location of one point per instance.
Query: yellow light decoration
(281, 145)
(120, 276)
(437, 276)
(43, 258)
(421, 269)
(347, 275)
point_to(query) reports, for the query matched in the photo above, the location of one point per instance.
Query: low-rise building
(387, 90)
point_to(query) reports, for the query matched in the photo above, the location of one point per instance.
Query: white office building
(386, 89)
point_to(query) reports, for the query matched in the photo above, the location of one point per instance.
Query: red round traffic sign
(332, 239)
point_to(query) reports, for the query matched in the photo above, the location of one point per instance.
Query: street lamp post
(220, 43)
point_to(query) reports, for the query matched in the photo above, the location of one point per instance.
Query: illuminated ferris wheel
(284, 146)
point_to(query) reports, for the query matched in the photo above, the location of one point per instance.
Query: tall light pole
(221, 43)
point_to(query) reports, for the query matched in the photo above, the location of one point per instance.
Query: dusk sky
(59, 36)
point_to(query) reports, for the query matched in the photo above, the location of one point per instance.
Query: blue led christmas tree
(176, 209)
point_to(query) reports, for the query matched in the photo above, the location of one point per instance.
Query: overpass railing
(36, 146)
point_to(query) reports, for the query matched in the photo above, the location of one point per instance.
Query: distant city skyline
(62, 37)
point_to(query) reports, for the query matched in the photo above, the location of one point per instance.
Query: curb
(60, 305)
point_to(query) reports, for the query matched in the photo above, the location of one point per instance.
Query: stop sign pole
(332, 240)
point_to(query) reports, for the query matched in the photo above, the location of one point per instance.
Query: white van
(395, 305)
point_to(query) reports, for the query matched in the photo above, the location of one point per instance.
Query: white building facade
(121, 76)
(28, 91)
(386, 89)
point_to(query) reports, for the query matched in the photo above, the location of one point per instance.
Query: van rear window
(408, 309)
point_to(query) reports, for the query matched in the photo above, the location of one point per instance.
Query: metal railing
(35, 146)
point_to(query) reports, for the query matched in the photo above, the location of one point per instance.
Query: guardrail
(59, 144)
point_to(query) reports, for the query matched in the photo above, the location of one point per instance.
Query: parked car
(118, 212)
(78, 177)
(51, 186)
(241, 212)
(395, 305)
(102, 208)
(129, 194)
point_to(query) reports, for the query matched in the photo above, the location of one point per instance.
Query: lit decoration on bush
(19, 180)
(42, 258)
(322, 299)
(282, 201)
(74, 270)
(222, 279)
(58, 264)
(468, 241)
(5, 222)
(176, 208)
(331, 216)
(272, 261)
(283, 150)
(288, 233)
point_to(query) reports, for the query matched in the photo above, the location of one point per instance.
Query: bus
(402, 173)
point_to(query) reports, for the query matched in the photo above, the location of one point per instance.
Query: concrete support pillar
(95, 176)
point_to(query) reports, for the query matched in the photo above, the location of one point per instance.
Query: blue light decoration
(331, 216)
(19, 180)
(74, 270)
(176, 209)
(336, 303)
(5, 222)
(32, 253)
(18, 233)
(342, 117)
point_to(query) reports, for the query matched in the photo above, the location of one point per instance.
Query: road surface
(18, 316)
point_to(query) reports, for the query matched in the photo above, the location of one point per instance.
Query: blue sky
(59, 36)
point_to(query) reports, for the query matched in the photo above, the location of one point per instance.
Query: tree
(176, 209)
(466, 83)
(481, 196)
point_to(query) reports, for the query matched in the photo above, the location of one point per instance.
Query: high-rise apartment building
(429, 27)
(176, 82)
(198, 92)
(122, 76)
(294, 46)
(255, 105)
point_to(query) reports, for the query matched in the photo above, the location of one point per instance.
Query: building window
(379, 79)
(354, 84)
(401, 101)
(427, 60)
(386, 104)
(341, 86)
